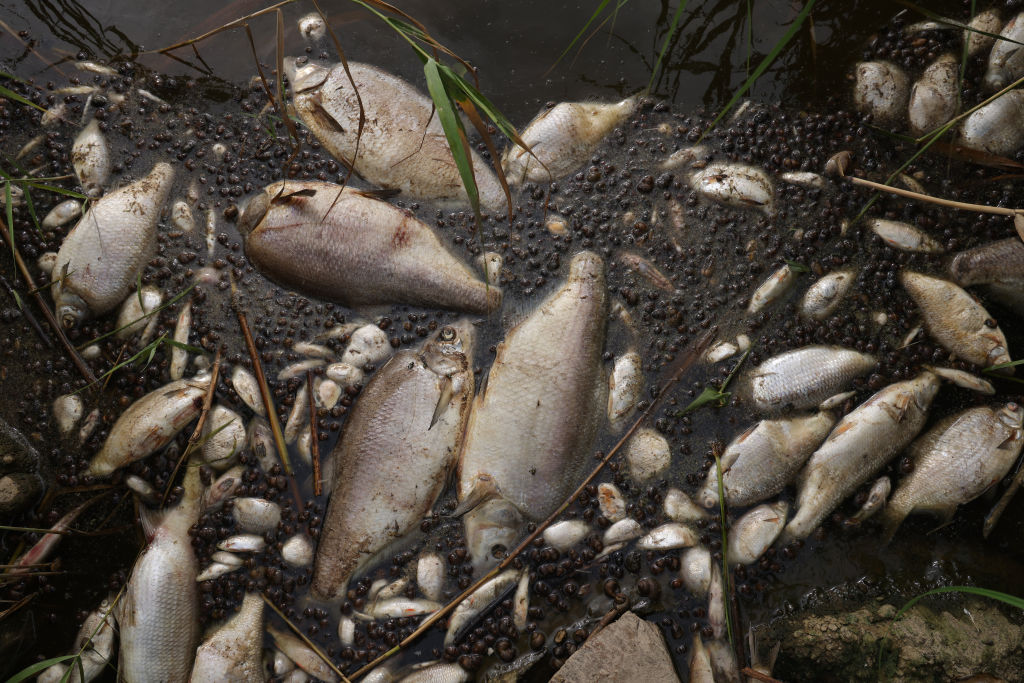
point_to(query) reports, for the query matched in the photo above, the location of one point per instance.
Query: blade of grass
(726, 577)
(668, 39)
(593, 17)
(453, 131)
(34, 670)
(713, 395)
(11, 95)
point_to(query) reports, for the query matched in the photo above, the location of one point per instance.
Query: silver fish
(1006, 61)
(745, 187)
(882, 90)
(182, 330)
(806, 376)
(825, 295)
(234, 651)
(300, 653)
(957, 320)
(963, 379)
(98, 261)
(701, 670)
(150, 423)
(430, 576)
(95, 640)
(763, 459)
(256, 515)
(772, 289)
(565, 534)
(158, 616)
(668, 537)
(755, 531)
(467, 610)
(903, 236)
(223, 437)
(562, 139)
(859, 446)
(530, 431)
(433, 672)
(297, 551)
(356, 250)
(67, 411)
(955, 462)
(382, 484)
(248, 389)
(1001, 261)
(998, 127)
(90, 157)
(935, 97)
(402, 144)
(695, 569)
(625, 383)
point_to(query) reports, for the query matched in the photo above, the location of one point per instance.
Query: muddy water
(514, 45)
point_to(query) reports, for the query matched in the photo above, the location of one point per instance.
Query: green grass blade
(665, 43)
(453, 130)
(1006, 598)
(31, 207)
(593, 17)
(11, 95)
(33, 670)
(798, 22)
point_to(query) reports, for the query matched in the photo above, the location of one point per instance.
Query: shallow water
(514, 45)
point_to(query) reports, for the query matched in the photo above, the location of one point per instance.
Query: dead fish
(243, 543)
(701, 670)
(877, 496)
(763, 459)
(882, 90)
(248, 389)
(234, 651)
(963, 379)
(721, 351)
(369, 345)
(695, 570)
(467, 610)
(402, 144)
(562, 138)
(66, 211)
(806, 376)
(67, 411)
(223, 488)
(646, 269)
(565, 534)
(223, 437)
(182, 330)
(312, 27)
(150, 423)
(957, 320)
(984, 22)
(297, 551)
(99, 259)
(256, 515)
(755, 531)
(679, 507)
(668, 537)
(529, 435)
(684, 157)
(804, 179)
(90, 157)
(611, 502)
(1001, 261)
(825, 295)
(772, 289)
(300, 653)
(356, 250)
(859, 446)
(624, 530)
(430, 672)
(997, 127)
(382, 485)
(137, 314)
(903, 236)
(403, 607)
(647, 455)
(716, 603)
(935, 97)
(430, 575)
(745, 187)
(955, 462)
(158, 616)
(216, 570)
(94, 643)
(1006, 61)
(625, 383)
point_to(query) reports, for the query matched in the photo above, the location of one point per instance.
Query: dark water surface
(515, 46)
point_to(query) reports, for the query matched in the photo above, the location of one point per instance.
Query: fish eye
(447, 333)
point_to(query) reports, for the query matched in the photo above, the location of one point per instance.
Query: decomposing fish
(999, 266)
(963, 379)
(223, 437)
(234, 651)
(877, 496)
(882, 90)
(858, 447)
(531, 429)
(297, 551)
(137, 314)
(150, 423)
(904, 236)
(248, 389)
(158, 615)
(755, 531)
(825, 295)
(179, 352)
(763, 459)
(562, 138)
(648, 454)
(646, 269)
(401, 143)
(680, 508)
(303, 656)
(565, 534)
(700, 662)
(369, 345)
(67, 411)
(66, 211)
(998, 127)
(430, 576)
(668, 537)
(935, 97)
(90, 157)
(745, 187)
(955, 462)
(401, 606)
(695, 570)
(957, 320)
(100, 258)
(95, 642)
(985, 22)
(256, 515)
(806, 376)
(345, 245)
(481, 598)
(625, 383)
(772, 289)
(1006, 60)
(610, 502)
(397, 450)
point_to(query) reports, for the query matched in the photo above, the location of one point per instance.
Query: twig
(753, 673)
(295, 629)
(47, 313)
(28, 314)
(190, 447)
(963, 206)
(314, 444)
(688, 360)
(18, 605)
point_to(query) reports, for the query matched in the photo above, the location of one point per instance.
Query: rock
(971, 637)
(630, 649)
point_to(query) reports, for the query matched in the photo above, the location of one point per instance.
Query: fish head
(254, 213)
(304, 75)
(71, 309)
(587, 265)
(451, 349)
(1012, 416)
(492, 525)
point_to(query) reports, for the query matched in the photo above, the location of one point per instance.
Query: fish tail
(891, 517)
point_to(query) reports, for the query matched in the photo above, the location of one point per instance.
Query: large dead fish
(805, 377)
(158, 615)
(955, 462)
(859, 446)
(398, 448)
(531, 429)
(347, 246)
(99, 260)
(234, 651)
(402, 145)
(999, 266)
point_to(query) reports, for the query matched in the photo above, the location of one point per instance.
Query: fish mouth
(303, 74)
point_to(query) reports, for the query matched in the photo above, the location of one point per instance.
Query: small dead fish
(904, 236)
(90, 157)
(647, 455)
(312, 27)
(467, 610)
(721, 351)
(68, 210)
(625, 383)
(882, 90)
(877, 496)
(806, 376)
(369, 345)
(150, 423)
(299, 369)
(223, 488)
(344, 374)
(695, 570)
(984, 22)
(996, 262)
(216, 570)
(963, 379)
(256, 515)
(1006, 61)
(402, 607)
(935, 97)
(825, 295)
(223, 437)
(772, 289)
(182, 330)
(248, 389)
(679, 507)
(243, 543)
(622, 531)
(181, 217)
(96, 68)
(955, 462)
(297, 551)
(300, 653)
(44, 547)
(997, 127)
(957, 320)
(745, 187)
(610, 502)
(684, 157)
(136, 314)
(646, 269)
(716, 603)
(668, 537)
(562, 138)
(755, 531)
(344, 245)
(563, 535)
(701, 670)
(430, 575)
(67, 411)
(804, 179)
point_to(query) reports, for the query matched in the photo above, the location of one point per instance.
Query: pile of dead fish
(521, 444)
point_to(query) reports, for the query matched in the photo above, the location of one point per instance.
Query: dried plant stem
(17, 606)
(688, 360)
(751, 673)
(302, 636)
(314, 442)
(230, 25)
(47, 313)
(963, 206)
(192, 440)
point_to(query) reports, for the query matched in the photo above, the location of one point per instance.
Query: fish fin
(324, 117)
(443, 401)
(380, 193)
(891, 518)
(151, 519)
(484, 489)
(284, 197)
(992, 518)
